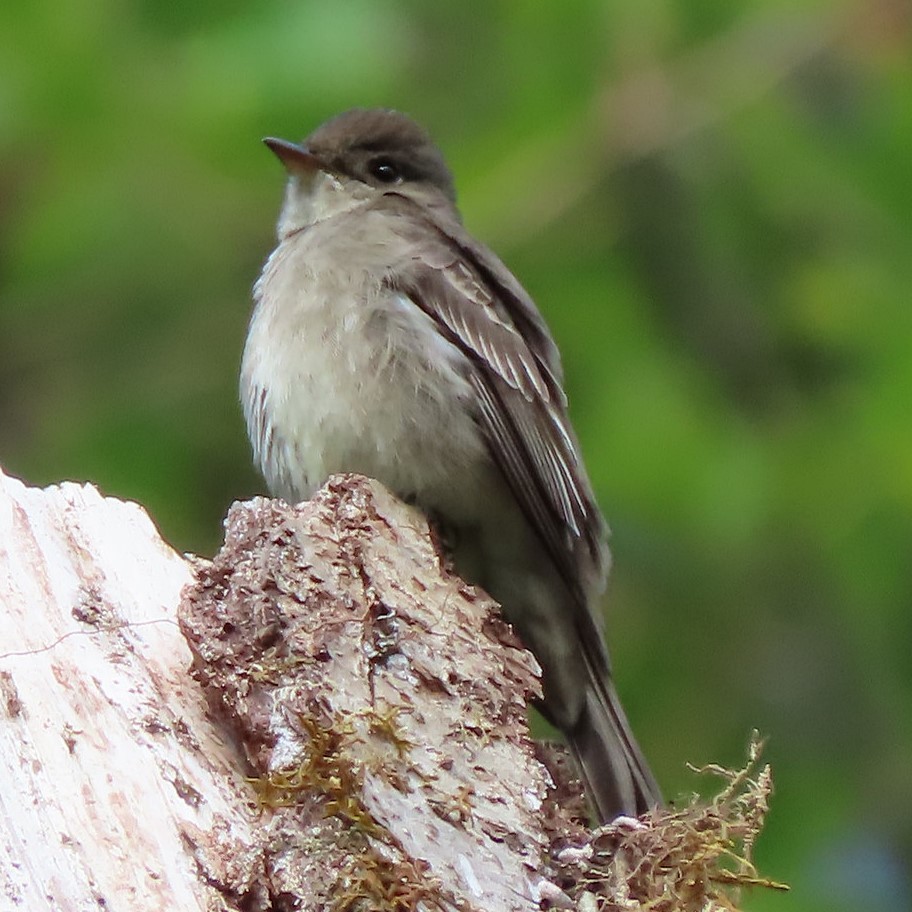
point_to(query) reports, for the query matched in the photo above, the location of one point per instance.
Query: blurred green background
(712, 203)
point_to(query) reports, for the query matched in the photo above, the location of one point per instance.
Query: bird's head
(353, 159)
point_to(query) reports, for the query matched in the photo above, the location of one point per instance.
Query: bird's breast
(341, 374)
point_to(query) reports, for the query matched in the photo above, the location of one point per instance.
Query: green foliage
(711, 203)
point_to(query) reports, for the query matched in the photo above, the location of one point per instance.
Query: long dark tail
(614, 771)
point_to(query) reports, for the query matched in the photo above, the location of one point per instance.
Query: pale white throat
(312, 195)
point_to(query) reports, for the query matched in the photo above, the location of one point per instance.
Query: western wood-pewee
(385, 340)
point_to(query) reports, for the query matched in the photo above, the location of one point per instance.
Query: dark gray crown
(356, 140)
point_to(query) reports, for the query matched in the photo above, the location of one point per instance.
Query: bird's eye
(385, 171)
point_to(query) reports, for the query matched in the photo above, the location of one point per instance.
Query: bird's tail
(614, 771)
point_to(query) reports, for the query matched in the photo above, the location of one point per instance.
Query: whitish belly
(335, 386)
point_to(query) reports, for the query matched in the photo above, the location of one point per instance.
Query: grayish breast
(342, 375)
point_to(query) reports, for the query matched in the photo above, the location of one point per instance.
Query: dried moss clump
(372, 883)
(695, 859)
(325, 773)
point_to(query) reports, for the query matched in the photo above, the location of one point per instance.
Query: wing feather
(515, 372)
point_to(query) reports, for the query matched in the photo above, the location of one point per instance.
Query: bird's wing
(515, 371)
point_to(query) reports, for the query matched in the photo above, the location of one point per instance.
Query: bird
(385, 340)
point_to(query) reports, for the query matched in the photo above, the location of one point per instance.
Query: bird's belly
(372, 389)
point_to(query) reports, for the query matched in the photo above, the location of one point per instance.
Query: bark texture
(117, 792)
(352, 736)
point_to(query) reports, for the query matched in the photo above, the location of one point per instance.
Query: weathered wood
(321, 718)
(379, 701)
(117, 790)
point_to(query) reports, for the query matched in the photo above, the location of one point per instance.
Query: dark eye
(384, 170)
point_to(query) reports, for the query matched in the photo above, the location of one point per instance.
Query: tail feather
(614, 771)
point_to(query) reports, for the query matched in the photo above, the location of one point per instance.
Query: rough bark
(352, 735)
(321, 718)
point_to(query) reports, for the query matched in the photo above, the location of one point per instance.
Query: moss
(325, 773)
(372, 883)
(696, 859)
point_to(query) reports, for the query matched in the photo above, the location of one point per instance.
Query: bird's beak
(295, 157)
